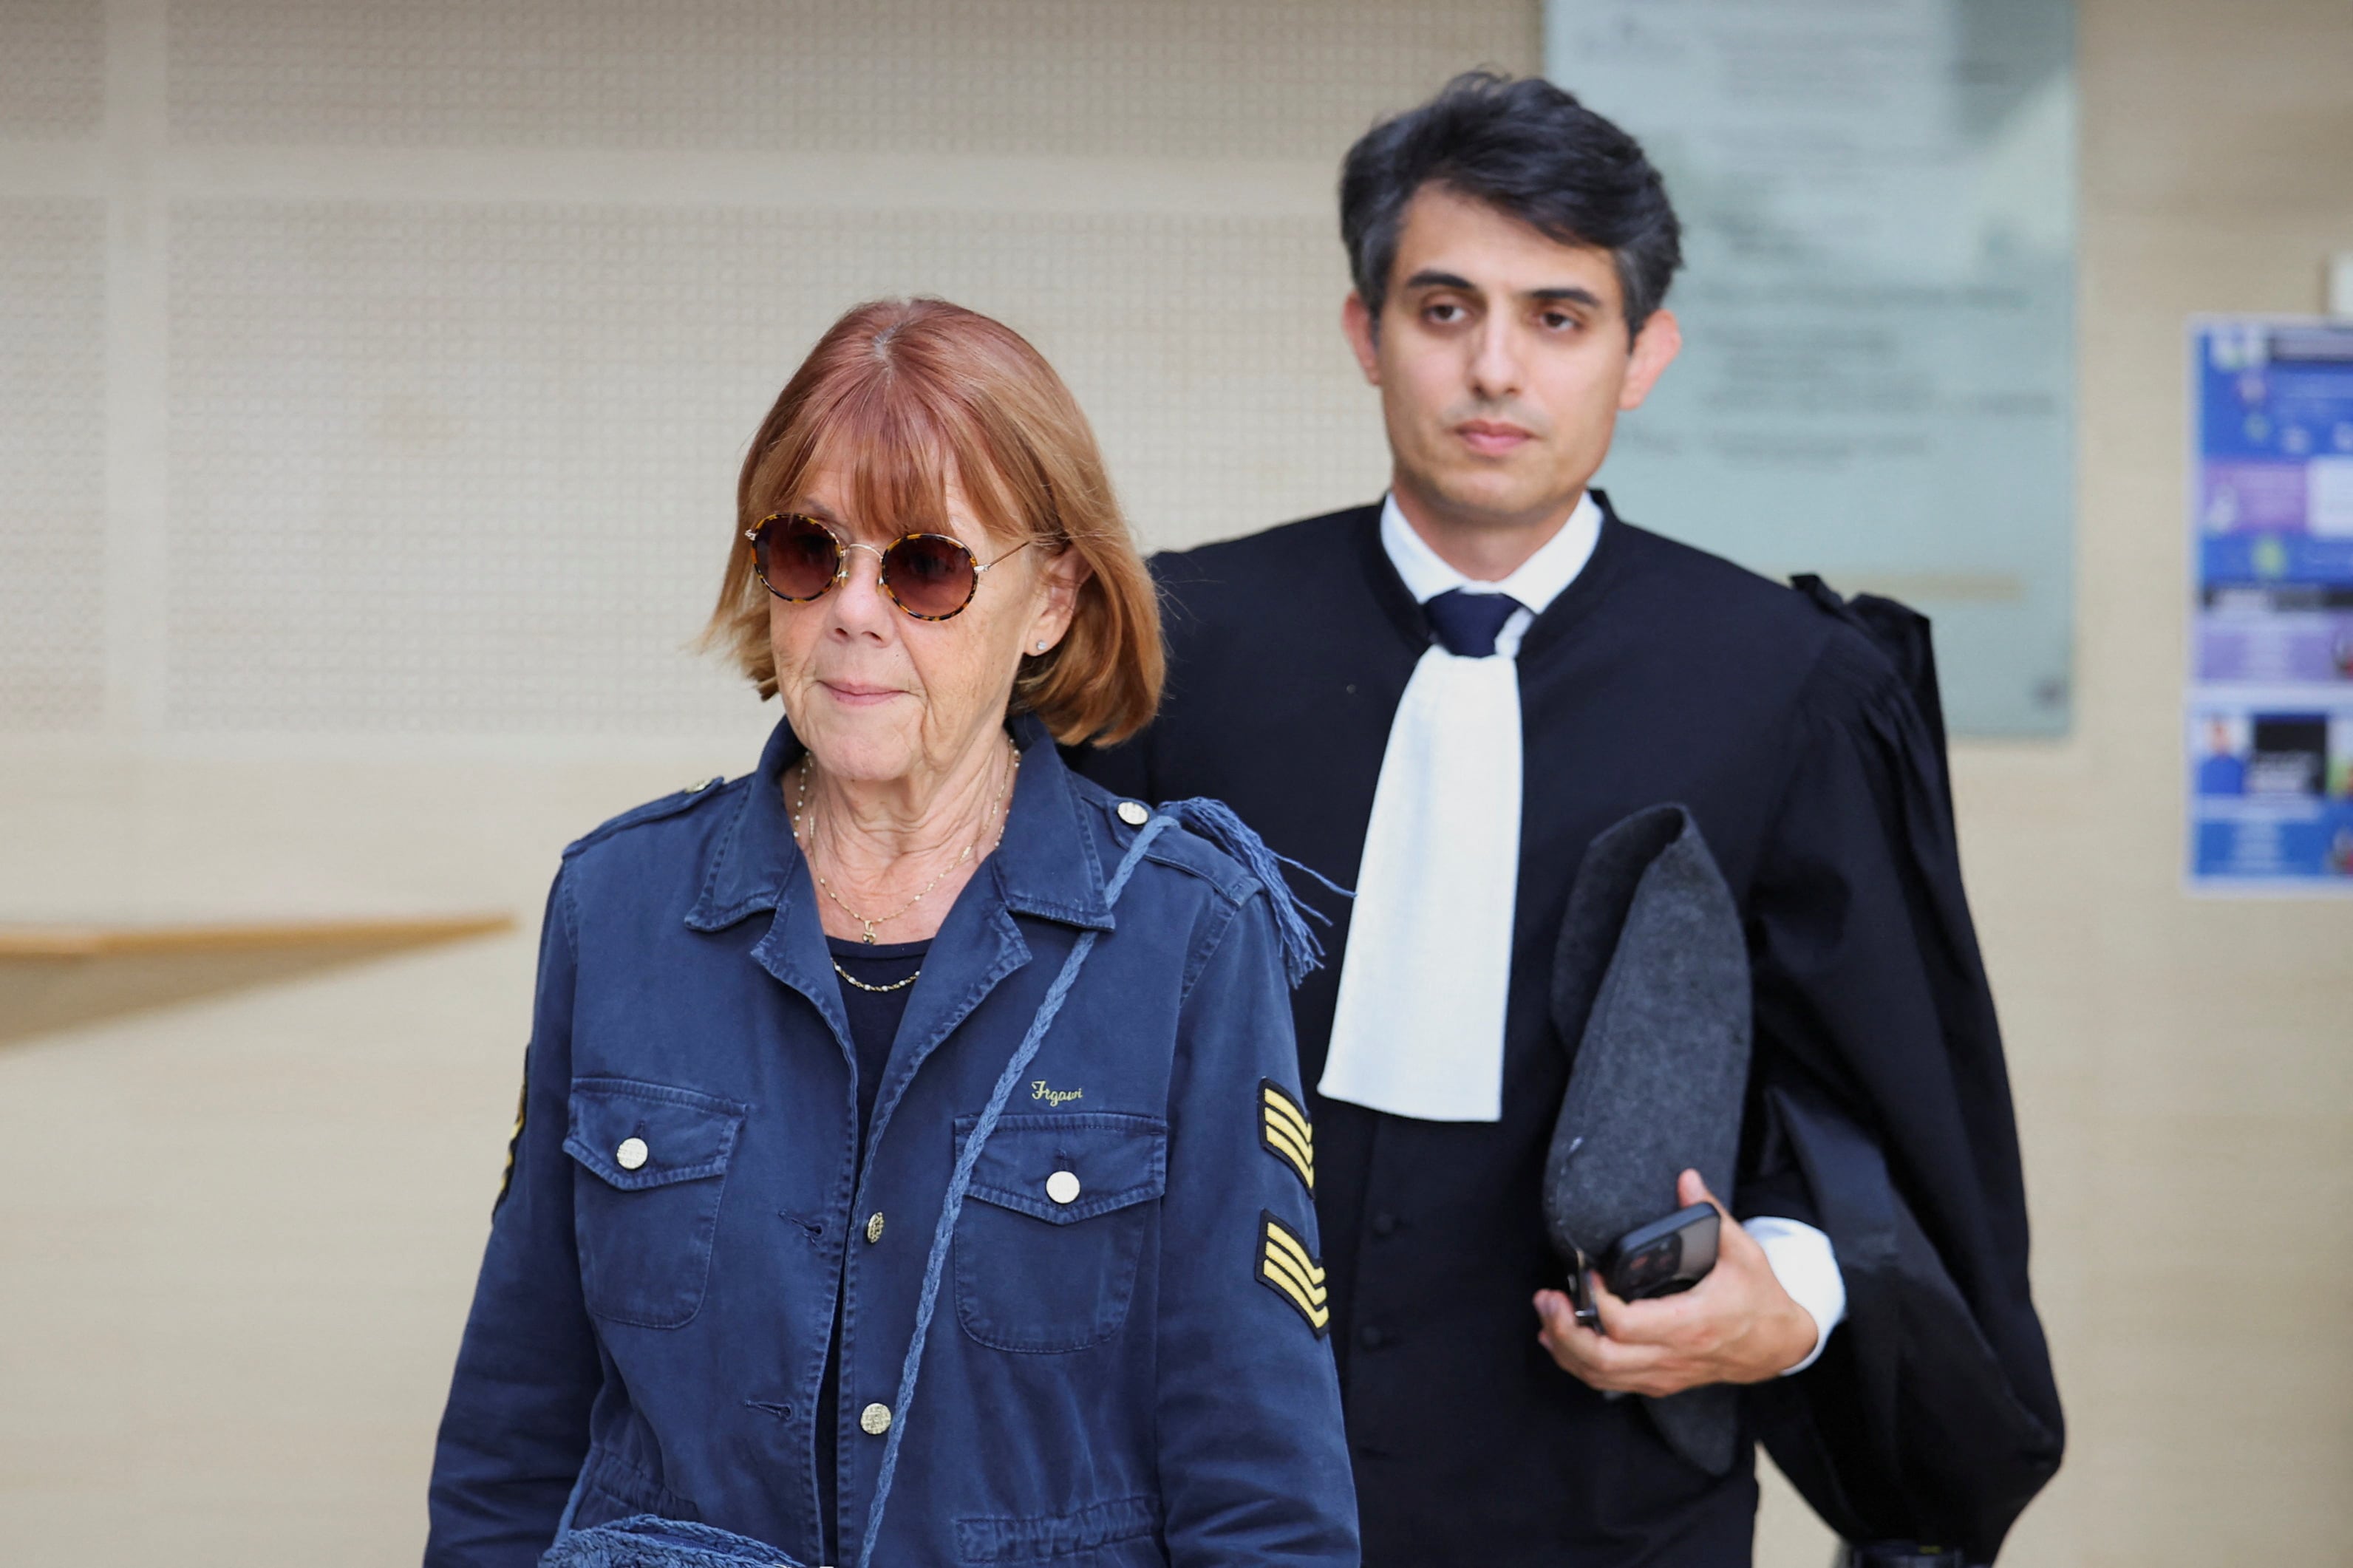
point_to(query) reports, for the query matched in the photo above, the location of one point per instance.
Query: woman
(771, 1011)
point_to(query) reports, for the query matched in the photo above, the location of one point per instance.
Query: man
(1440, 700)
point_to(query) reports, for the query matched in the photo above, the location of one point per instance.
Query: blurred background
(373, 381)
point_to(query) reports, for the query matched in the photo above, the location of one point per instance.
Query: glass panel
(1878, 377)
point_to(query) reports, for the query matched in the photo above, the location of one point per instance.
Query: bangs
(898, 398)
(894, 443)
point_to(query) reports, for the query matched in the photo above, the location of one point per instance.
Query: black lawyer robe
(1660, 674)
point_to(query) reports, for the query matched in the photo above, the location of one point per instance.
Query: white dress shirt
(1418, 1030)
(1536, 584)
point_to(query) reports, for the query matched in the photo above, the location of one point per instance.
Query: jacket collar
(1048, 865)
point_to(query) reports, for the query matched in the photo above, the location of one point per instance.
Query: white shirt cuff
(1801, 1259)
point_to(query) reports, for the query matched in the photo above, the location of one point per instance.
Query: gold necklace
(800, 811)
(878, 990)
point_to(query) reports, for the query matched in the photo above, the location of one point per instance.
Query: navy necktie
(1466, 623)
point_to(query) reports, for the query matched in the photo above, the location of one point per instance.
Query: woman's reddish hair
(904, 394)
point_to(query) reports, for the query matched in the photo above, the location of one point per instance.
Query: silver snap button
(1062, 1186)
(631, 1153)
(1134, 813)
(874, 1420)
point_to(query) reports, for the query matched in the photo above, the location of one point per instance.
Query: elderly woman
(773, 1013)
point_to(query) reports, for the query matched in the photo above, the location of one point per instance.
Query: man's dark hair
(1533, 151)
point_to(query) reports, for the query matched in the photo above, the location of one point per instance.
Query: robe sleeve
(1869, 984)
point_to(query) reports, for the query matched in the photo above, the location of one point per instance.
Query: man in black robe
(1440, 700)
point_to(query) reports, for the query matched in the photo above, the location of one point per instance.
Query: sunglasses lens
(930, 574)
(798, 558)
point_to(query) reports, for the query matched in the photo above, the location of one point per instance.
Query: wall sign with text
(1877, 381)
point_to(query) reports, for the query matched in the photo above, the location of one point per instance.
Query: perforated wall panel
(441, 325)
(52, 67)
(1161, 77)
(464, 467)
(52, 464)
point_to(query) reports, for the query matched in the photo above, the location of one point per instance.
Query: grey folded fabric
(1650, 981)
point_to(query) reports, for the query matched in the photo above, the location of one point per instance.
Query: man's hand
(1737, 1325)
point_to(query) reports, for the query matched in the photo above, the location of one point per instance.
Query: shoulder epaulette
(686, 799)
(1214, 822)
(1178, 850)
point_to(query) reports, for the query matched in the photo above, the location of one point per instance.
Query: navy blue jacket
(1137, 1374)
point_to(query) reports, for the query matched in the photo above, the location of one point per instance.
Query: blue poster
(2269, 737)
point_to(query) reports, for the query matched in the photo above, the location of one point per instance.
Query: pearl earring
(1041, 647)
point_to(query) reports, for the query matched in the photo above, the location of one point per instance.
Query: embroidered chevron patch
(1285, 1269)
(1285, 1131)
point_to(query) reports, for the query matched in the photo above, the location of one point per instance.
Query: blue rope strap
(960, 1181)
(649, 1540)
(1303, 950)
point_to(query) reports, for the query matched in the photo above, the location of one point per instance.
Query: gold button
(874, 1227)
(1062, 1186)
(631, 1153)
(874, 1420)
(706, 783)
(1134, 813)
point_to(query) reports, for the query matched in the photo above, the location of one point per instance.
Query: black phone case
(1665, 1255)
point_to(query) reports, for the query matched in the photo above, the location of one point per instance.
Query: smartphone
(1664, 1256)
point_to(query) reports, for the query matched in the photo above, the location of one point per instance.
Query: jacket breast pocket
(1058, 1214)
(653, 1161)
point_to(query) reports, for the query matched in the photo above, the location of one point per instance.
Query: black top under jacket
(874, 1016)
(1661, 674)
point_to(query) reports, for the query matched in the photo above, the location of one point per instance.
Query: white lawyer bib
(1419, 1030)
(1420, 1026)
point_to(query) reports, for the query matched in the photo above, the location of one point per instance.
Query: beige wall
(258, 304)
(2185, 1066)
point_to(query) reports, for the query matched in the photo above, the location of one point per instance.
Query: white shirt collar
(1539, 580)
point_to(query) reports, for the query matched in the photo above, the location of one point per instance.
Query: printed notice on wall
(2269, 716)
(1877, 376)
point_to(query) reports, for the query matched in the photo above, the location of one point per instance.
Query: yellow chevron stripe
(1278, 1108)
(1278, 1236)
(1285, 1132)
(1317, 1316)
(1278, 1266)
(1284, 1267)
(1298, 1153)
(1278, 1133)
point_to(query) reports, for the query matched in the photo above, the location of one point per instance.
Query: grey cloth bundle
(1650, 980)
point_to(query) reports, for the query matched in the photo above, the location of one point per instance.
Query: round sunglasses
(932, 576)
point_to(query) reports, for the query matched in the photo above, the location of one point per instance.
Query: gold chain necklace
(876, 990)
(800, 811)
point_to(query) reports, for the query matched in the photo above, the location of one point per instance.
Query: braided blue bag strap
(960, 1181)
(649, 1541)
(1303, 950)
(1213, 820)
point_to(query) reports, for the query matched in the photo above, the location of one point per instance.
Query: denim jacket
(1128, 1366)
